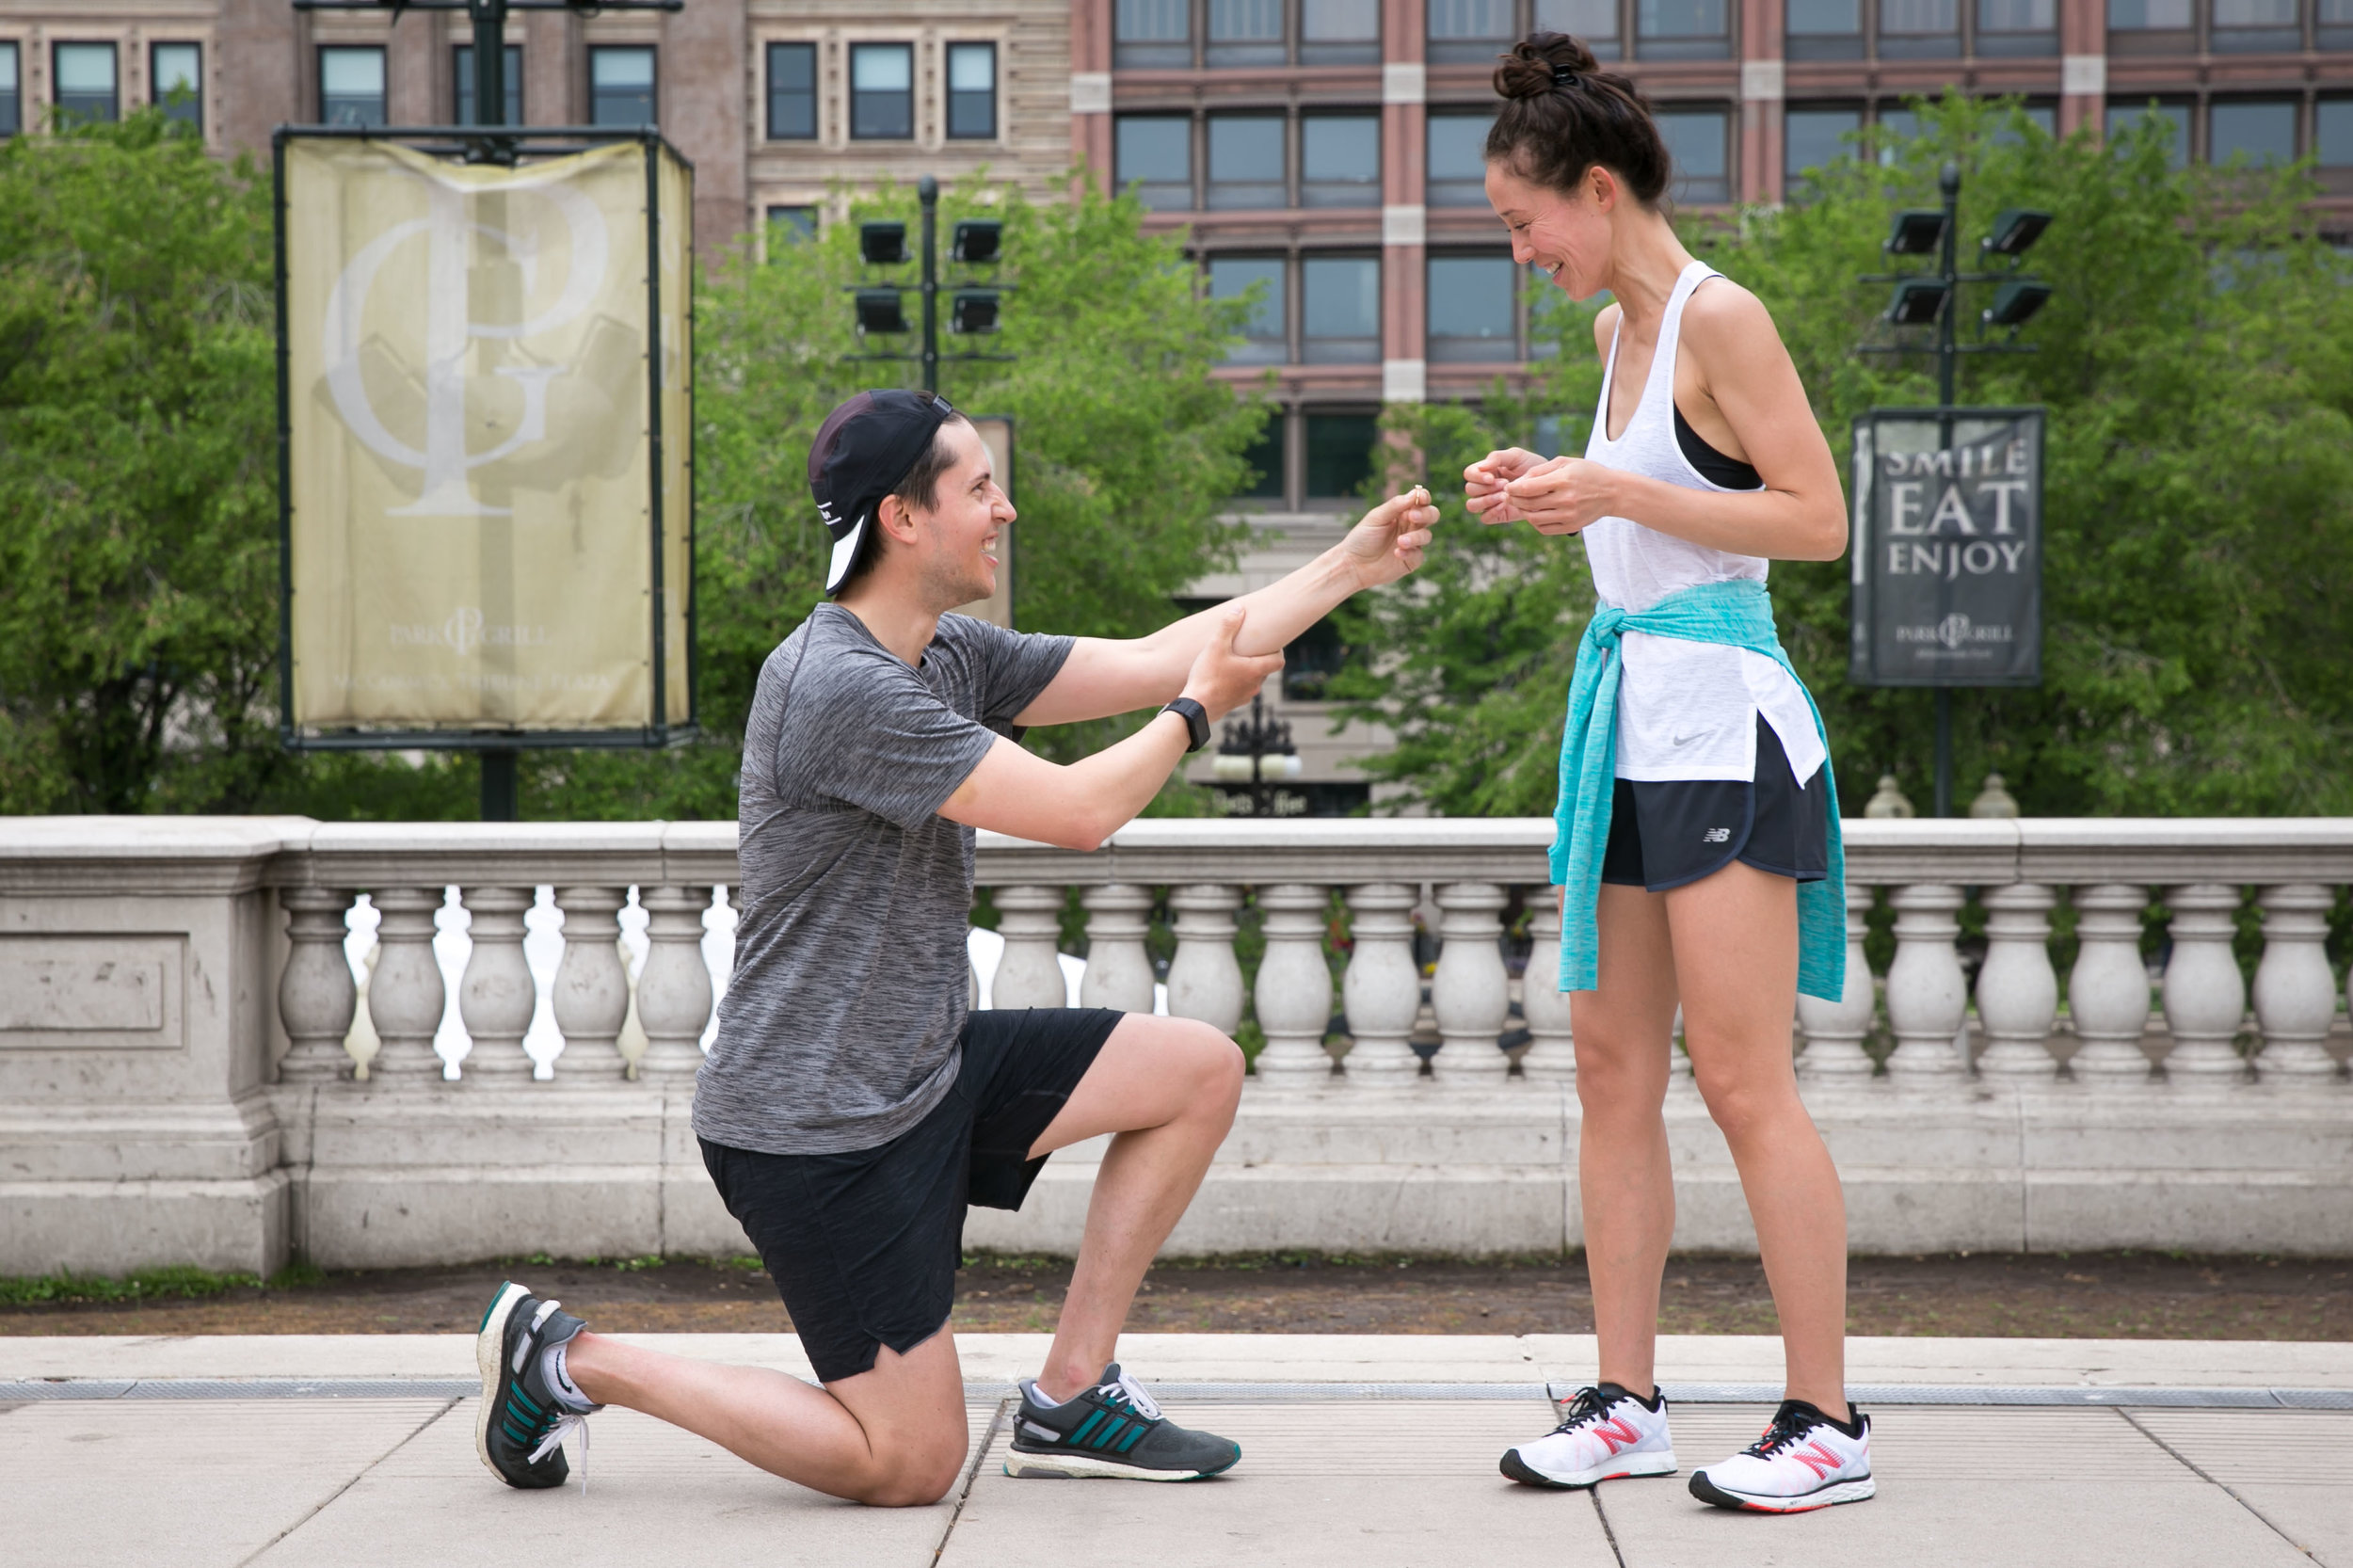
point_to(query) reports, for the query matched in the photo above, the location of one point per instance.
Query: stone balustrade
(178, 1012)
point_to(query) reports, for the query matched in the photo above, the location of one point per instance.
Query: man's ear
(892, 516)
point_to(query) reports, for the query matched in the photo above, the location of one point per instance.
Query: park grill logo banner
(486, 530)
(1948, 547)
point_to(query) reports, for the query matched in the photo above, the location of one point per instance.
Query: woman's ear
(1604, 185)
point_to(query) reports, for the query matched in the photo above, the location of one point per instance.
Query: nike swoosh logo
(1687, 740)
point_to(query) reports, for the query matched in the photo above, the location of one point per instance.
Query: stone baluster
(2295, 996)
(1835, 1031)
(591, 992)
(1381, 990)
(2206, 998)
(317, 996)
(1927, 996)
(2017, 988)
(673, 983)
(2107, 991)
(1469, 992)
(1293, 995)
(1551, 1054)
(1119, 971)
(1205, 978)
(496, 996)
(1029, 974)
(406, 997)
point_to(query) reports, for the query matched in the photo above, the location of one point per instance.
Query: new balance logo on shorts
(1716, 836)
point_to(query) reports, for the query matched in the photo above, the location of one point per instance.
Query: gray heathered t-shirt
(838, 1028)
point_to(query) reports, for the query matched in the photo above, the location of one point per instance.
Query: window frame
(773, 213)
(1727, 115)
(653, 83)
(1308, 342)
(384, 80)
(1792, 175)
(1122, 178)
(768, 55)
(56, 76)
(14, 97)
(1515, 335)
(1284, 339)
(1369, 190)
(193, 118)
(905, 47)
(1286, 165)
(949, 94)
(2293, 104)
(461, 84)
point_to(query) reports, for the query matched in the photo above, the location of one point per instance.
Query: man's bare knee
(915, 1477)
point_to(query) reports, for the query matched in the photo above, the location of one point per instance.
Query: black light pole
(1259, 737)
(1949, 183)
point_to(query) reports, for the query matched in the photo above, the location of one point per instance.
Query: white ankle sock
(567, 1392)
(1039, 1397)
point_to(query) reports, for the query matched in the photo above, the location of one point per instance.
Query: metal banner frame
(665, 728)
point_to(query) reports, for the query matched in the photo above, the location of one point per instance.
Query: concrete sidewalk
(1358, 1450)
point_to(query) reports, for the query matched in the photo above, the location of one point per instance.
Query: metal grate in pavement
(1249, 1393)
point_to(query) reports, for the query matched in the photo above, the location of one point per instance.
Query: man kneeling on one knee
(851, 1107)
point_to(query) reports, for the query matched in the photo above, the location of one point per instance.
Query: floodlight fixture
(882, 243)
(1918, 301)
(2014, 229)
(977, 240)
(2015, 301)
(1917, 232)
(973, 310)
(878, 311)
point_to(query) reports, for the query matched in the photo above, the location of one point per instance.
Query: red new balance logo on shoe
(1617, 1433)
(1815, 1458)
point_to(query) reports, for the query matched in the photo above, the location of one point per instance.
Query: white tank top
(1686, 710)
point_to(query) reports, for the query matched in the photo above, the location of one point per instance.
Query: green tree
(2197, 364)
(137, 475)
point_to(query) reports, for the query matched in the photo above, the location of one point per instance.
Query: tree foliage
(2197, 361)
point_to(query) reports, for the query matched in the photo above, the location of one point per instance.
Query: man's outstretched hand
(1223, 680)
(1388, 541)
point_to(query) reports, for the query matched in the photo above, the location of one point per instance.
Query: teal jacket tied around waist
(1739, 612)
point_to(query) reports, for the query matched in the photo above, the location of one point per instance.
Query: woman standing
(1698, 847)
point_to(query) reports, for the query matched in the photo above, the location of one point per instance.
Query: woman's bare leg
(1624, 1183)
(1735, 938)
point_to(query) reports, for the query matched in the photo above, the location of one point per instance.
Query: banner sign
(486, 382)
(1948, 547)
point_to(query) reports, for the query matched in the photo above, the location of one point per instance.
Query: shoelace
(1788, 1429)
(565, 1424)
(1128, 1390)
(1586, 1408)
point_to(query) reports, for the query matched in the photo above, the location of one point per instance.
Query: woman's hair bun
(1563, 114)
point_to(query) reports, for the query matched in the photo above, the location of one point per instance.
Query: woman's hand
(1484, 480)
(1563, 496)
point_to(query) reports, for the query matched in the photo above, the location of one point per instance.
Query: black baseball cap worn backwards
(863, 452)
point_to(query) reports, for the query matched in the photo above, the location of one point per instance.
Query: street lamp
(1257, 751)
(977, 242)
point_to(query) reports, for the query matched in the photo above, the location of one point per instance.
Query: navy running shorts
(1673, 832)
(864, 1246)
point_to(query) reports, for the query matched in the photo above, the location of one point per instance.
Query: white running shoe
(1804, 1460)
(1605, 1433)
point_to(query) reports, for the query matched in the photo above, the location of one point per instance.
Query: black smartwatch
(1196, 721)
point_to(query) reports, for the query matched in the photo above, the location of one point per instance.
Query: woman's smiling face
(1567, 237)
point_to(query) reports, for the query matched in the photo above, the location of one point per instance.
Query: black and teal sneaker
(1112, 1429)
(521, 1429)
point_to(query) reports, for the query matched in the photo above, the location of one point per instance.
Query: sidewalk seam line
(980, 1457)
(2228, 1491)
(1606, 1532)
(365, 1470)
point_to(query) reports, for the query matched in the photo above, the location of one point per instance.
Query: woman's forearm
(1781, 525)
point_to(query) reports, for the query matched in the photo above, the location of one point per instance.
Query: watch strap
(1196, 721)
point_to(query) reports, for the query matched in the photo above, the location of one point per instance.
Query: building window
(1265, 481)
(1700, 142)
(1153, 154)
(2332, 132)
(2125, 113)
(1683, 30)
(2336, 24)
(2145, 16)
(1810, 137)
(621, 86)
(11, 91)
(1339, 454)
(1340, 32)
(972, 91)
(1825, 30)
(2043, 116)
(1339, 161)
(2251, 26)
(351, 86)
(882, 92)
(1311, 660)
(2261, 131)
(1340, 310)
(1264, 339)
(1595, 21)
(1470, 30)
(1472, 314)
(175, 75)
(791, 225)
(1244, 32)
(791, 92)
(461, 75)
(1152, 35)
(85, 83)
(1458, 160)
(2019, 26)
(1246, 161)
(1919, 29)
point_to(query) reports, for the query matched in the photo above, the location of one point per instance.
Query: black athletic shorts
(1666, 834)
(864, 1246)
